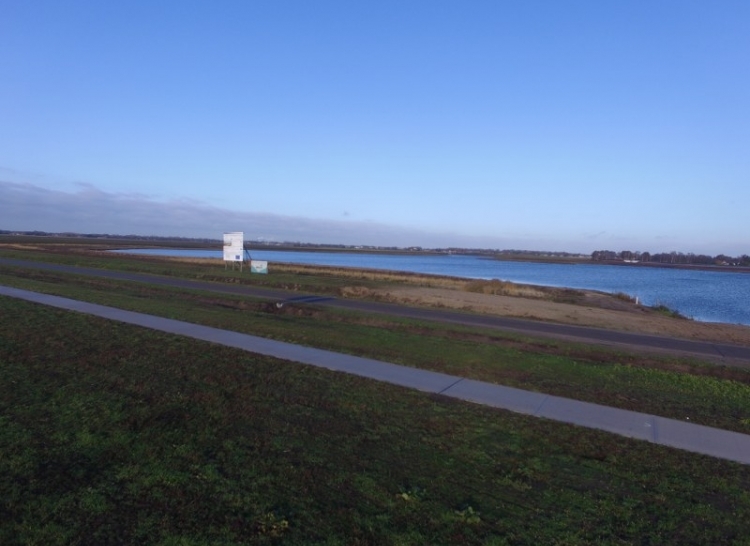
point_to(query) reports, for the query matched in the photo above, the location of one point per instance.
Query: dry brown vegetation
(561, 305)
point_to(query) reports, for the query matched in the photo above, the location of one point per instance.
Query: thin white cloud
(27, 207)
(88, 209)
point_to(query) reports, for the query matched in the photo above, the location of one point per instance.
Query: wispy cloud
(88, 209)
(85, 208)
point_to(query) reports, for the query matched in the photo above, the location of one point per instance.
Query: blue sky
(559, 125)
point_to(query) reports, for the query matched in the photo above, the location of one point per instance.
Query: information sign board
(234, 246)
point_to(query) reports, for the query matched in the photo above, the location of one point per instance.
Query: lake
(703, 295)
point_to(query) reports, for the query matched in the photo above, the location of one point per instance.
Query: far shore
(697, 267)
(107, 242)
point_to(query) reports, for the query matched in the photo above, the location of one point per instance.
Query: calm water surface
(702, 295)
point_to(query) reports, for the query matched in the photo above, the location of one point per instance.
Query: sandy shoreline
(600, 311)
(585, 308)
(579, 307)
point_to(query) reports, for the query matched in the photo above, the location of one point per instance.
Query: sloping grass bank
(112, 434)
(670, 387)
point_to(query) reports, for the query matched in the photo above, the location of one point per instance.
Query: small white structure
(234, 252)
(259, 266)
(234, 248)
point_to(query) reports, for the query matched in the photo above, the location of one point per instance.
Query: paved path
(669, 432)
(735, 355)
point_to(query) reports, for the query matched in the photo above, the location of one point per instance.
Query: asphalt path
(736, 355)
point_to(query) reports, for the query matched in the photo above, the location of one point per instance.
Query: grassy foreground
(113, 434)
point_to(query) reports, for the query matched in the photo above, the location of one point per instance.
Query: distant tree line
(669, 258)
(75, 235)
(540, 253)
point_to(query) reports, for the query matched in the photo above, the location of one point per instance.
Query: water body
(703, 295)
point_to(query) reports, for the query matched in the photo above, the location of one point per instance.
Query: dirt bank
(591, 309)
(561, 305)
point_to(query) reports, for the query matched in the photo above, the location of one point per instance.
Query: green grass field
(113, 434)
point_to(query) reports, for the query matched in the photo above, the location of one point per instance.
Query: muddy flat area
(592, 309)
(559, 305)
